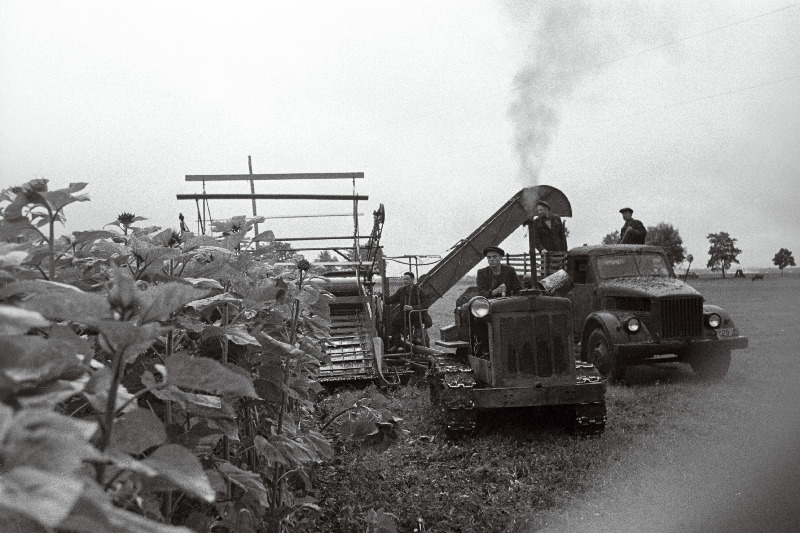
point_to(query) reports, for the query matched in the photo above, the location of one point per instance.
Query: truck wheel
(600, 352)
(711, 364)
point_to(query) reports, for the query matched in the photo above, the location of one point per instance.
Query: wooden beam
(331, 248)
(319, 238)
(315, 216)
(324, 263)
(301, 176)
(208, 196)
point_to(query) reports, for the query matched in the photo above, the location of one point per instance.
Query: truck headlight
(633, 325)
(713, 320)
(479, 307)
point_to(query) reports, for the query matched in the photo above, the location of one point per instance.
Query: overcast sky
(688, 112)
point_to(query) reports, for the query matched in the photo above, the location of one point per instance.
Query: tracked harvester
(501, 353)
(515, 354)
(514, 351)
(359, 315)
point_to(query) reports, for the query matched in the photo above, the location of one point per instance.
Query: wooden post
(356, 240)
(532, 250)
(205, 205)
(253, 191)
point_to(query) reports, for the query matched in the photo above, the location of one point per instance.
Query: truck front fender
(613, 325)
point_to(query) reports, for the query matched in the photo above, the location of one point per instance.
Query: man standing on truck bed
(497, 279)
(548, 230)
(633, 232)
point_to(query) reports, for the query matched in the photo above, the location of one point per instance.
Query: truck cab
(629, 308)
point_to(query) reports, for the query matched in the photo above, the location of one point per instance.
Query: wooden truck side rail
(546, 263)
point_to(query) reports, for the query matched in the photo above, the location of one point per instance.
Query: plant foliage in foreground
(152, 381)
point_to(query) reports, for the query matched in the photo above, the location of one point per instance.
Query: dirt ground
(725, 456)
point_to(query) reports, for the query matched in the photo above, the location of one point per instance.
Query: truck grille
(680, 317)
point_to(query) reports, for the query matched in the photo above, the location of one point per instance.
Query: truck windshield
(629, 266)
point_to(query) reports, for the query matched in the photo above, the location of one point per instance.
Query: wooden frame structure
(204, 212)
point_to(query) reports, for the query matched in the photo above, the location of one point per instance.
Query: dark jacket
(414, 297)
(633, 232)
(552, 239)
(488, 281)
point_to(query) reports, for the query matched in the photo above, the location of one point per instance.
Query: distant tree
(283, 251)
(783, 259)
(723, 251)
(325, 256)
(272, 250)
(669, 239)
(611, 238)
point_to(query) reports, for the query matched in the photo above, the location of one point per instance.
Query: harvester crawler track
(451, 382)
(590, 418)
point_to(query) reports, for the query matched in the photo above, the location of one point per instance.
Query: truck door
(583, 294)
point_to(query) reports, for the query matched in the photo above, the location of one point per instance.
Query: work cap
(493, 249)
(542, 202)
(626, 209)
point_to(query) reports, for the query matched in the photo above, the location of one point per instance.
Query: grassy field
(677, 455)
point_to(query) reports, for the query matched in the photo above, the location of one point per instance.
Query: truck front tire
(601, 353)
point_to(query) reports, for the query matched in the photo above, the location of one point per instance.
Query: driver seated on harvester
(497, 279)
(412, 314)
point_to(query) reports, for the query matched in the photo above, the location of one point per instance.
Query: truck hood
(648, 286)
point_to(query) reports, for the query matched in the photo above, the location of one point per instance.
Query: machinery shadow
(659, 373)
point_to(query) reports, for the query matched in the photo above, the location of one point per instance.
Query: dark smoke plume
(559, 52)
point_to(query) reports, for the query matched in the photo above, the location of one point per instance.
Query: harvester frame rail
(328, 238)
(262, 196)
(270, 177)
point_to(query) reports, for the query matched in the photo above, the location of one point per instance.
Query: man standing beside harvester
(414, 312)
(548, 230)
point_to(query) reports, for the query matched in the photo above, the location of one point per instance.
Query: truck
(629, 308)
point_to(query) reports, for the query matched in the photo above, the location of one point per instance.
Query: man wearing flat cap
(408, 307)
(548, 230)
(633, 232)
(497, 279)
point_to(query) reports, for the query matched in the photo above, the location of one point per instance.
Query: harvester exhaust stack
(556, 284)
